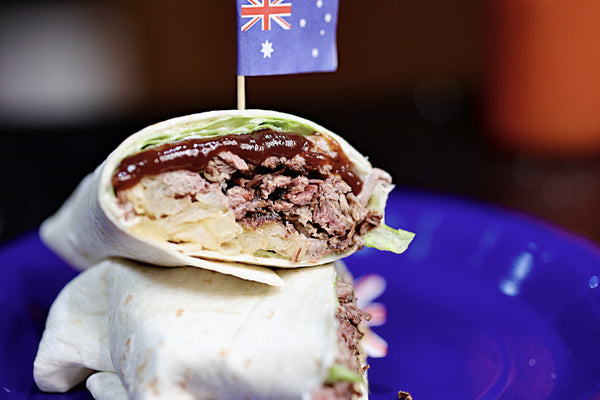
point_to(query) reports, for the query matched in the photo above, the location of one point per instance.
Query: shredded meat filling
(306, 201)
(349, 317)
(317, 204)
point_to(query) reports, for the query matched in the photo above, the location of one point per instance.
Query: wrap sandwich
(139, 332)
(229, 191)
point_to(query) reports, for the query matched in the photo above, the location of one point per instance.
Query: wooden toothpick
(241, 92)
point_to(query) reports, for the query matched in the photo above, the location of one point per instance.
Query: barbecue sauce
(194, 155)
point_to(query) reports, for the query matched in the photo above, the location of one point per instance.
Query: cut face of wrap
(254, 187)
(182, 333)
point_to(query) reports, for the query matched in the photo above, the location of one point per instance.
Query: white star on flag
(267, 49)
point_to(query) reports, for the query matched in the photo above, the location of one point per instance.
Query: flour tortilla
(183, 333)
(108, 386)
(89, 227)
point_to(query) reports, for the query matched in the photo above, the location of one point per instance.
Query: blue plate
(485, 304)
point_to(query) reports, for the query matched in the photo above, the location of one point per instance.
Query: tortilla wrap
(182, 333)
(96, 222)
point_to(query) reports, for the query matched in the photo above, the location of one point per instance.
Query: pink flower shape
(366, 289)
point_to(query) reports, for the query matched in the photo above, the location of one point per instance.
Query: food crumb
(404, 395)
(153, 386)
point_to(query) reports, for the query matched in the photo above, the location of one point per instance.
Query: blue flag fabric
(286, 36)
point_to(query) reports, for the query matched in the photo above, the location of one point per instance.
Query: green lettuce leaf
(342, 373)
(388, 239)
(229, 125)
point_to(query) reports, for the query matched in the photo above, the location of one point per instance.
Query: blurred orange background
(543, 85)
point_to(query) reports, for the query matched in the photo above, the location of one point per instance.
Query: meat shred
(316, 204)
(349, 317)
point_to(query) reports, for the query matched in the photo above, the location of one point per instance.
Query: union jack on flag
(286, 36)
(266, 11)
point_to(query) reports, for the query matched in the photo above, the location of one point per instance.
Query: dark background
(412, 91)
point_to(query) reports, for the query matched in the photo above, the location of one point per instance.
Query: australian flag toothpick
(286, 36)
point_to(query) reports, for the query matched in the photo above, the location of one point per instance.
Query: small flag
(286, 36)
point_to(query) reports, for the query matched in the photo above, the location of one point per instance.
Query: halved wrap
(139, 332)
(254, 187)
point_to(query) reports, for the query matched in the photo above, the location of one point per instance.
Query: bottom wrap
(140, 332)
